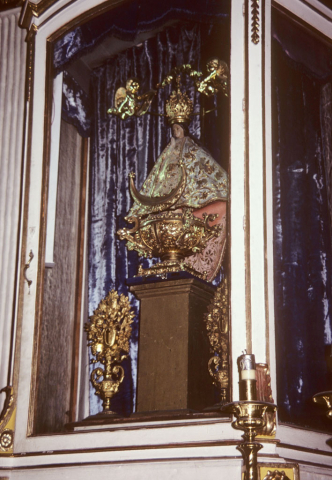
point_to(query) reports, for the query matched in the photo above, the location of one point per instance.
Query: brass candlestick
(249, 418)
(108, 333)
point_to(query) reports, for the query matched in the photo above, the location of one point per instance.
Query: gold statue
(180, 212)
(108, 334)
(127, 101)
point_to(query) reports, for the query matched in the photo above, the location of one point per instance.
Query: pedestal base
(173, 346)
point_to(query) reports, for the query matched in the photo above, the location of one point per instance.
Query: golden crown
(179, 108)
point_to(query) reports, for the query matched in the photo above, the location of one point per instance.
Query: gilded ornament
(325, 399)
(179, 108)
(216, 79)
(128, 102)
(172, 236)
(217, 329)
(108, 335)
(255, 21)
(6, 440)
(168, 212)
(7, 421)
(276, 475)
(278, 471)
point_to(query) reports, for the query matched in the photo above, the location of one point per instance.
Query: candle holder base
(249, 418)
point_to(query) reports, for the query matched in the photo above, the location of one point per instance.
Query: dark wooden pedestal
(173, 346)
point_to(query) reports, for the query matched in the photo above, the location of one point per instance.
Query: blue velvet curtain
(76, 106)
(132, 18)
(302, 237)
(119, 147)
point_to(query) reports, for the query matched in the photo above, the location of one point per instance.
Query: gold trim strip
(34, 10)
(255, 21)
(247, 190)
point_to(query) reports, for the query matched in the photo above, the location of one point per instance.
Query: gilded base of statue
(170, 266)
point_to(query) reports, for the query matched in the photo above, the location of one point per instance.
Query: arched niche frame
(251, 232)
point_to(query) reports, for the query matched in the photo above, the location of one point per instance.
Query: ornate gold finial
(179, 107)
(217, 328)
(108, 334)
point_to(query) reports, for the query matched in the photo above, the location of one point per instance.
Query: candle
(247, 370)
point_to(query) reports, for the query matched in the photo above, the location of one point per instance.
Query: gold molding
(34, 10)
(30, 60)
(255, 13)
(7, 422)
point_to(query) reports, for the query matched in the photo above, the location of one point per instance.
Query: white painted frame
(190, 439)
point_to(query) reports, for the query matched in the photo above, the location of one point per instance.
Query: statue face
(177, 131)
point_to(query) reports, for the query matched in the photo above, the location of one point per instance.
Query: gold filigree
(255, 21)
(172, 236)
(179, 107)
(108, 334)
(217, 328)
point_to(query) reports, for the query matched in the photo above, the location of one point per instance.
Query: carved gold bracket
(218, 332)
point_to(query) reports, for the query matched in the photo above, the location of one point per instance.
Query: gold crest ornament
(108, 335)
